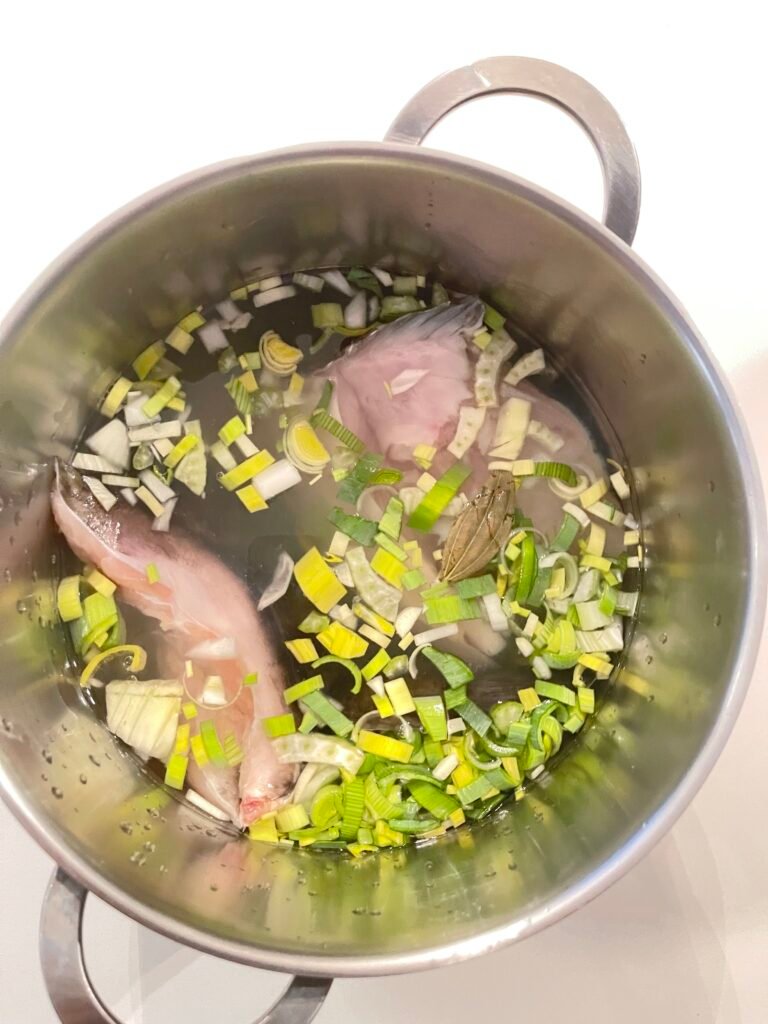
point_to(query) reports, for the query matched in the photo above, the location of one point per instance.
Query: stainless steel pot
(564, 279)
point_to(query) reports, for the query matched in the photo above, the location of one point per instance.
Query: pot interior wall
(608, 325)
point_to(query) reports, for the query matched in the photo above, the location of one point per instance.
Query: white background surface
(102, 101)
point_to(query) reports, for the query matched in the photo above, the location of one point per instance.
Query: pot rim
(624, 858)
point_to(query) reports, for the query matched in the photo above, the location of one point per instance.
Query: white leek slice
(111, 442)
(497, 620)
(530, 363)
(287, 291)
(102, 494)
(444, 768)
(213, 337)
(547, 438)
(267, 284)
(145, 714)
(154, 431)
(93, 463)
(317, 749)
(511, 428)
(343, 613)
(119, 481)
(312, 282)
(275, 479)
(470, 423)
(158, 487)
(129, 495)
(609, 639)
(488, 366)
(278, 585)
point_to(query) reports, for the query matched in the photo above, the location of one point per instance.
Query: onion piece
(111, 443)
(279, 583)
(547, 438)
(156, 486)
(405, 380)
(511, 429)
(355, 312)
(213, 337)
(371, 716)
(311, 780)
(383, 276)
(471, 419)
(336, 280)
(407, 619)
(162, 523)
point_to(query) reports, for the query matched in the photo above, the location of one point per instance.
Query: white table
(102, 101)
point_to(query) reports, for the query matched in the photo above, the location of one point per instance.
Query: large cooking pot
(564, 279)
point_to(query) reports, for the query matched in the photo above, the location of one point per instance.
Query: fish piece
(196, 600)
(427, 413)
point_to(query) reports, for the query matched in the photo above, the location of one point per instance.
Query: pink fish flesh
(197, 600)
(434, 341)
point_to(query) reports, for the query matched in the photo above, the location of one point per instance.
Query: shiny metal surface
(608, 322)
(527, 76)
(71, 989)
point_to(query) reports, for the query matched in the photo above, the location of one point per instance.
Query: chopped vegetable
(318, 582)
(358, 528)
(384, 746)
(434, 503)
(342, 642)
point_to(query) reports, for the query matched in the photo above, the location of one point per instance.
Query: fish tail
(463, 317)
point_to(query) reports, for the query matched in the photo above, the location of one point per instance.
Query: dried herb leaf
(480, 529)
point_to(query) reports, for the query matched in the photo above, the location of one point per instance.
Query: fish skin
(121, 544)
(434, 340)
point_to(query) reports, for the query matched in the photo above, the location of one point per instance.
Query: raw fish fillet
(434, 341)
(196, 600)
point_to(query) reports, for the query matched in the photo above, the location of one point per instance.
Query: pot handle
(71, 990)
(621, 171)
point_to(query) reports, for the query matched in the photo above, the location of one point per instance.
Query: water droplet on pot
(84, 779)
(718, 619)
(125, 826)
(21, 606)
(57, 792)
(359, 910)
(93, 761)
(46, 756)
(663, 638)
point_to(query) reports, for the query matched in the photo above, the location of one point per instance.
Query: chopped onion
(541, 668)
(312, 282)
(356, 310)
(407, 619)
(228, 310)
(405, 380)
(220, 648)
(128, 494)
(281, 578)
(377, 685)
(383, 276)
(134, 413)
(162, 523)
(444, 768)
(336, 280)
(111, 443)
(213, 337)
